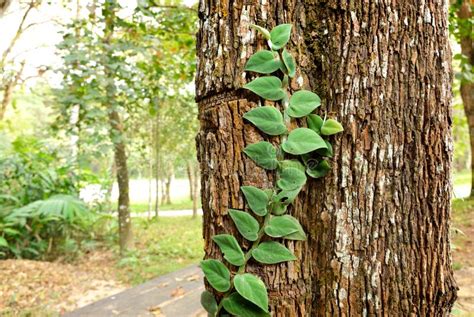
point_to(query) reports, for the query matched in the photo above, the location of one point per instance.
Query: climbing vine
(303, 151)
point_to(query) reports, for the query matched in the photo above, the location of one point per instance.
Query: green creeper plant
(303, 151)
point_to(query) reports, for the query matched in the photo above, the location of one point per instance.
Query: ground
(34, 288)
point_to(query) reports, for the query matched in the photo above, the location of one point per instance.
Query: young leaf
(280, 35)
(330, 127)
(209, 303)
(292, 164)
(314, 122)
(284, 226)
(245, 223)
(326, 152)
(230, 248)
(263, 154)
(291, 179)
(302, 141)
(278, 208)
(272, 252)
(263, 31)
(290, 63)
(267, 87)
(320, 170)
(239, 306)
(256, 198)
(302, 103)
(287, 196)
(268, 119)
(217, 274)
(252, 289)
(263, 62)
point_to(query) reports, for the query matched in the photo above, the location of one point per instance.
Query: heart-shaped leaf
(302, 103)
(287, 197)
(256, 198)
(291, 179)
(302, 141)
(314, 122)
(209, 303)
(320, 170)
(267, 87)
(230, 248)
(263, 62)
(272, 252)
(280, 35)
(252, 289)
(245, 223)
(239, 306)
(263, 31)
(217, 274)
(330, 127)
(283, 226)
(290, 63)
(263, 154)
(268, 119)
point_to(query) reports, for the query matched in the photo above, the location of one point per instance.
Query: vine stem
(287, 120)
(247, 257)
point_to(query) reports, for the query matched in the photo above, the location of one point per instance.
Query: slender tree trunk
(379, 222)
(8, 89)
(158, 165)
(189, 172)
(117, 136)
(168, 180)
(467, 88)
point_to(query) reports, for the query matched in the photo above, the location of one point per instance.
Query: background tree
(384, 71)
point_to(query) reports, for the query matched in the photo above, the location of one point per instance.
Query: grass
(162, 246)
(461, 178)
(178, 204)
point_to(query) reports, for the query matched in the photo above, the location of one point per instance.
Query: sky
(37, 46)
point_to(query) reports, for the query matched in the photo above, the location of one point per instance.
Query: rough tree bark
(379, 222)
(467, 88)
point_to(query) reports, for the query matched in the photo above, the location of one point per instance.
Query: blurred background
(97, 111)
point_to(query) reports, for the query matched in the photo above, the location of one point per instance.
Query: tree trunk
(117, 137)
(189, 172)
(467, 87)
(379, 222)
(168, 180)
(158, 165)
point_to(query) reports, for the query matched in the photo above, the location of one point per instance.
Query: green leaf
(326, 152)
(263, 31)
(268, 119)
(239, 306)
(245, 223)
(272, 252)
(288, 196)
(302, 103)
(278, 208)
(292, 164)
(263, 62)
(280, 35)
(252, 289)
(209, 303)
(314, 122)
(330, 127)
(291, 179)
(290, 63)
(3, 242)
(320, 170)
(302, 141)
(230, 248)
(267, 87)
(256, 198)
(217, 274)
(284, 226)
(263, 154)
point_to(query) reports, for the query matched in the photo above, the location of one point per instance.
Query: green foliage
(247, 295)
(268, 119)
(217, 274)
